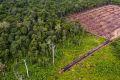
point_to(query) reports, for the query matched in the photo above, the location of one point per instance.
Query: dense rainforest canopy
(33, 29)
(30, 27)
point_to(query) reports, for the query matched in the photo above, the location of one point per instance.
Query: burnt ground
(103, 21)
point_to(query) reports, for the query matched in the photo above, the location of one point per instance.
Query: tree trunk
(53, 53)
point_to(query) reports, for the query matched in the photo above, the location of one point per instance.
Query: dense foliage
(29, 29)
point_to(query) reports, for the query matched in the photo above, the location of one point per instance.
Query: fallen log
(67, 67)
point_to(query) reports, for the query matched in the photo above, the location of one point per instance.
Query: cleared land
(103, 21)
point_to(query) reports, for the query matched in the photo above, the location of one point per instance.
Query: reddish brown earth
(103, 21)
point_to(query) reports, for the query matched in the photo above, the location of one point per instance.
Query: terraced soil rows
(103, 21)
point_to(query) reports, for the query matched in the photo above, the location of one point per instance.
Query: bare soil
(103, 21)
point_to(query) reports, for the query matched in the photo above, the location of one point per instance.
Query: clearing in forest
(103, 21)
